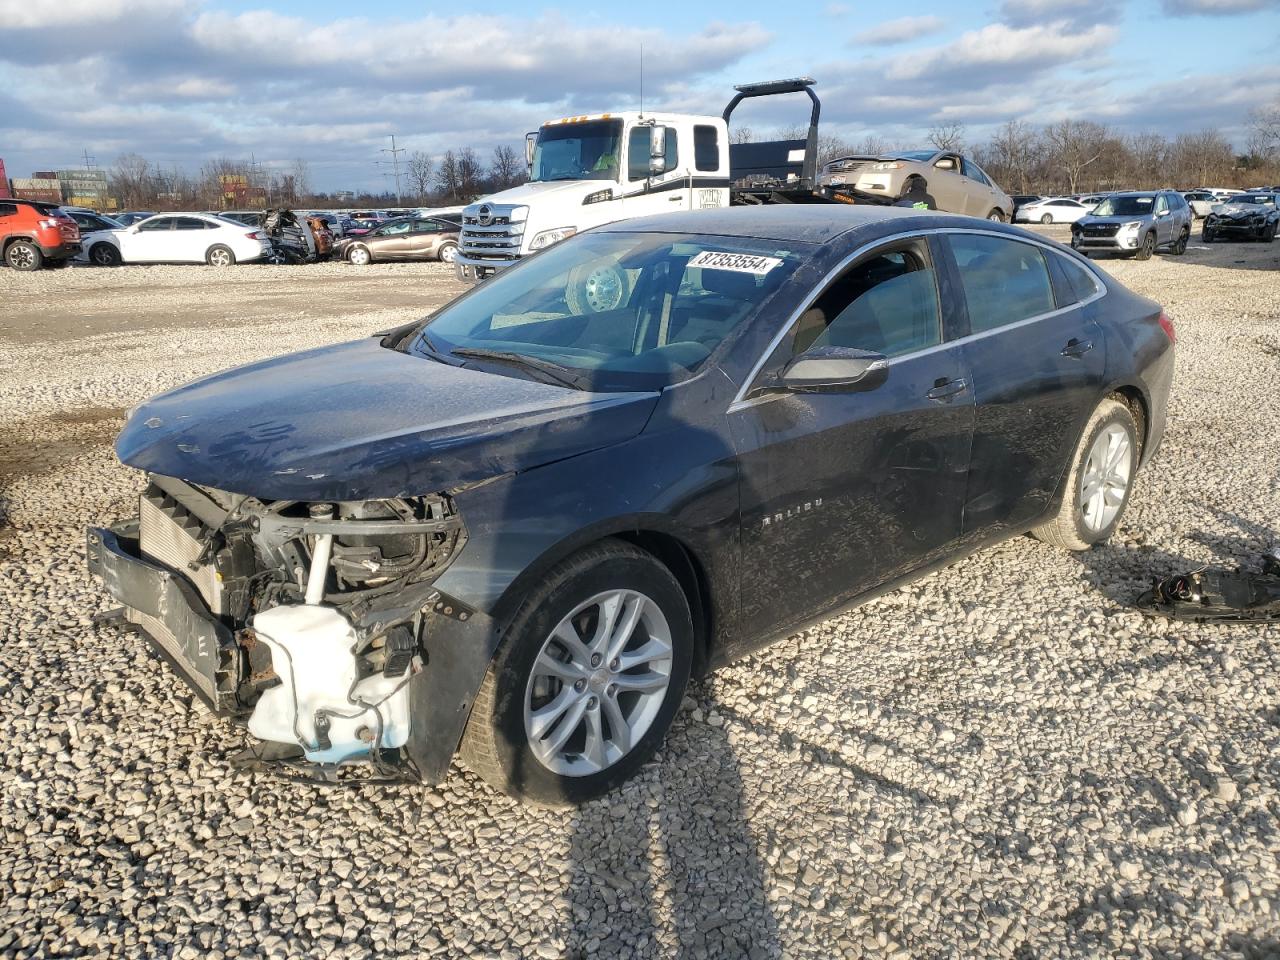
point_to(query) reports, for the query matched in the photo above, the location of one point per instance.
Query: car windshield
(578, 151)
(1125, 206)
(1259, 198)
(921, 155)
(615, 311)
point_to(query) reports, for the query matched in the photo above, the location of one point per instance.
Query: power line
(395, 163)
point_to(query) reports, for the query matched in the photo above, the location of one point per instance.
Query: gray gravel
(1001, 760)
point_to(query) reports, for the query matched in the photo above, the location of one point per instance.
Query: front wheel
(220, 256)
(1148, 247)
(1100, 480)
(448, 253)
(590, 674)
(360, 256)
(998, 217)
(1207, 235)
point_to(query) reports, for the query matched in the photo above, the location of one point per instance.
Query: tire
(1180, 245)
(498, 743)
(447, 253)
(220, 256)
(1047, 219)
(359, 255)
(597, 287)
(23, 255)
(907, 185)
(998, 217)
(1148, 247)
(1079, 524)
(1207, 235)
(104, 255)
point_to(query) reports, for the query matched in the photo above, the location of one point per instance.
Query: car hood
(1238, 210)
(357, 420)
(567, 190)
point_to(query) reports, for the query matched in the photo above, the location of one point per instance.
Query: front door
(664, 192)
(842, 492)
(150, 242)
(1037, 371)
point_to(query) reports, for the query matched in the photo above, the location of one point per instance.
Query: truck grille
(497, 239)
(172, 537)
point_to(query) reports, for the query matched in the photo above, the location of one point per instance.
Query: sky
(183, 81)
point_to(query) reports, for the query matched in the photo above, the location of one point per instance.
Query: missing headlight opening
(318, 611)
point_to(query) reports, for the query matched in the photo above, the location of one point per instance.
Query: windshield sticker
(738, 262)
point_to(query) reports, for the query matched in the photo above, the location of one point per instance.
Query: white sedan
(191, 238)
(1052, 210)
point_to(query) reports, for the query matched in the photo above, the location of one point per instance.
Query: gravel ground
(1000, 760)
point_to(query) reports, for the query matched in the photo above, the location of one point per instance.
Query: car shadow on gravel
(675, 875)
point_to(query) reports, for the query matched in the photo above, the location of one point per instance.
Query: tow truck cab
(590, 170)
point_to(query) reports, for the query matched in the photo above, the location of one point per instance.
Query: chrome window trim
(740, 400)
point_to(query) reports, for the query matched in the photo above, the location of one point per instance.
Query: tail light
(1167, 326)
(254, 236)
(50, 224)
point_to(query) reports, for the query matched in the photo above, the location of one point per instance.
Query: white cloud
(1022, 13)
(1002, 48)
(27, 15)
(1215, 8)
(900, 30)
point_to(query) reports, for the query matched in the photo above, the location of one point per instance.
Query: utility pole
(395, 163)
(89, 162)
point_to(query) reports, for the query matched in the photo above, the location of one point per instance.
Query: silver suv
(1137, 224)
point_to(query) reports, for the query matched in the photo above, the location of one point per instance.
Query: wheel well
(684, 566)
(1132, 398)
(9, 241)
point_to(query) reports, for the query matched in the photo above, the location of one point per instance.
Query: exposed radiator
(171, 536)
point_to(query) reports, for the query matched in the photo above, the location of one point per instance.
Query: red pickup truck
(34, 234)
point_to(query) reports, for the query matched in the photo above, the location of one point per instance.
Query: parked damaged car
(517, 528)
(957, 184)
(1246, 216)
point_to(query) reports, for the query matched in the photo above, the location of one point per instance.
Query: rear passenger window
(886, 303)
(189, 223)
(1004, 280)
(1083, 283)
(8, 209)
(706, 148)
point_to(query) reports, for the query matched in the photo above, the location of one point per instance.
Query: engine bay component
(1207, 595)
(323, 703)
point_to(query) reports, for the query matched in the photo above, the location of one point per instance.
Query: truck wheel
(590, 674)
(220, 256)
(597, 287)
(24, 255)
(1148, 247)
(104, 255)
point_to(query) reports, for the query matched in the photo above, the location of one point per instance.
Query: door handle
(675, 199)
(945, 390)
(1077, 348)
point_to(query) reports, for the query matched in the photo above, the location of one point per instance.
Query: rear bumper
(59, 251)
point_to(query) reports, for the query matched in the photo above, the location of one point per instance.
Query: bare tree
(1202, 157)
(741, 135)
(1072, 145)
(507, 169)
(469, 173)
(300, 171)
(421, 174)
(1011, 155)
(1264, 130)
(448, 177)
(131, 181)
(947, 136)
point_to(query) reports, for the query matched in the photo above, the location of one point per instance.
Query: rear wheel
(1180, 246)
(104, 255)
(23, 255)
(590, 674)
(220, 256)
(1147, 248)
(1100, 480)
(1047, 219)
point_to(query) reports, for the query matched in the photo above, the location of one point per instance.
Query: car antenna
(642, 81)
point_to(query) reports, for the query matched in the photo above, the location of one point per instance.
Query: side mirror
(834, 370)
(530, 141)
(946, 164)
(657, 149)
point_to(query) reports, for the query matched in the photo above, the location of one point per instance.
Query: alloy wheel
(598, 682)
(220, 258)
(1104, 482)
(21, 258)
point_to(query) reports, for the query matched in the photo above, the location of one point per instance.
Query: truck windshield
(613, 311)
(578, 151)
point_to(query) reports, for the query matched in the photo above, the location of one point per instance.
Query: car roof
(790, 223)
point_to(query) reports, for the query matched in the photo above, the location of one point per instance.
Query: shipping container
(44, 175)
(82, 186)
(36, 183)
(95, 201)
(44, 196)
(82, 174)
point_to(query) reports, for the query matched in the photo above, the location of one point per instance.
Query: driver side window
(886, 303)
(638, 153)
(159, 223)
(1162, 204)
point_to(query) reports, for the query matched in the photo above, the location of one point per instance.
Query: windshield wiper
(550, 372)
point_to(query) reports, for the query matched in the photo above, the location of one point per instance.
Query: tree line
(455, 177)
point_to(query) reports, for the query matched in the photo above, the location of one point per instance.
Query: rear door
(842, 492)
(191, 239)
(1037, 361)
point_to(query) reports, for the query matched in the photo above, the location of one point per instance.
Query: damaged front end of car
(314, 623)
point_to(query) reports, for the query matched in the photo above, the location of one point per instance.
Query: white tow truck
(589, 170)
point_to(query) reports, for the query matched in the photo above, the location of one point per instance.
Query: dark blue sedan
(518, 527)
